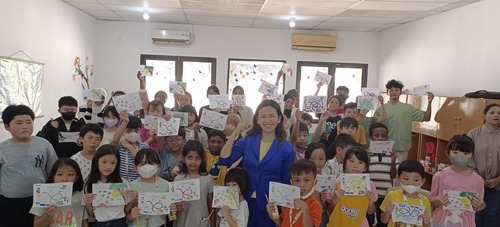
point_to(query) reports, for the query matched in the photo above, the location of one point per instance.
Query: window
(353, 76)
(198, 72)
(249, 73)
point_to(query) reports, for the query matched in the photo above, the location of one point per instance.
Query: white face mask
(147, 170)
(132, 137)
(410, 189)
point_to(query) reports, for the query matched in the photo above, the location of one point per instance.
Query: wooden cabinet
(458, 115)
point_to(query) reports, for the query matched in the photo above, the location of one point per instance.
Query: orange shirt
(315, 210)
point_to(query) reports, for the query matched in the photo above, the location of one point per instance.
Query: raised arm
(318, 87)
(383, 116)
(320, 128)
(119, 132)
(227, 149)
(296, 126)
(428, 112)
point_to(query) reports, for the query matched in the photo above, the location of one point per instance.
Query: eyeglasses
(174, 139)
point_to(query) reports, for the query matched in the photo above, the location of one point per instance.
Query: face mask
(132, 137)
(68, 115)
(147, 170)
(110, 122)
(460, 161)
(410, 189)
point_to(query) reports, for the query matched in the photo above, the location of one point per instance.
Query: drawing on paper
(109, 194)
(408, 214)
(315, 104)
(185, 190)
(238, 100)
(58, 194)
(212, 119)
(322, 77)
(283, 194)
(368, 99)
(151, 122)
(219, 101)
(146, 70)
(287, 70)
(279, 98)
(225, 196)
(178, 87)
(128, 102)
(381, 147)
(68, 137)
(459, 200)
(324, 182)
(182, 116)
(154, 203)
(355, 184)
(168, 128)
(421, 90)
(267, 88)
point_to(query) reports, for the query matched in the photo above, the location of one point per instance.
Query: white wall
(121, 43)
(51, 32)
(455, 52)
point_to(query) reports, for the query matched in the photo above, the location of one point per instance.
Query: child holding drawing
(317, 153)
(238, 178)
(307, 210)
(460, 178)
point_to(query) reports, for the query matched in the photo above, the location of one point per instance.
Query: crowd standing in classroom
(328, 177)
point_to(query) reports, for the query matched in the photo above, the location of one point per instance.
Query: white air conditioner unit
(171, 37)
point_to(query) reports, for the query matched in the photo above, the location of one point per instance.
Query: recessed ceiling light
(292, 22)
(145, 15)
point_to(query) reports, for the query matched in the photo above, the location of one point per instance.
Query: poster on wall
(21, 83)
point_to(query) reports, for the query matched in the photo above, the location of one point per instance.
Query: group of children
(120, 149)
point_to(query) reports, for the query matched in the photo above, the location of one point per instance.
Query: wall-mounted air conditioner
(313, 42)
(171, 37)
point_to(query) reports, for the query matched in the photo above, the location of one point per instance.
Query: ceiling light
(145, 15)
(292, 22)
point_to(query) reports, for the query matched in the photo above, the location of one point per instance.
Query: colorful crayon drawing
(408, 214)
(287, 70)
(267, 88)
(182, 116)
(154, 203)
(459, 200)
(185, 190)
(178, 87)
(238, 100)
(283, 194)
(146, 70)
(109, 194)
(368, 99)
(314, 104)
(355, 184)
(324, 182)
(421, 90)
(168, 128)
(151, 122)
(58, 194)
(68, 137)
(128, 102)
(219, 101)
(225, 196)
(322, 77)
(212, 119)
(95, 95)
(381, 147)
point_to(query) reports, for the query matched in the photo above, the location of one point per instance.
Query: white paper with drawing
(58, 194)
(128, 102)
(92, 95)
(355, 184)
(283, 194)
(459, 200)
(109, 194)
(185, 190)
(315, 104)
(368, 99)
(178, 87)
(324, 182)
(226, 196)
(182, 116)
(68, 137)
(151, 122)
(279, 98)
(267, 88)
(323, 77)
(238, 100)
(381, 147)
(287, 70)
(219, 101)
(421, 90)
(409, 214)
(146, 70)
(154, 203)
(213, 120)
(168, 128)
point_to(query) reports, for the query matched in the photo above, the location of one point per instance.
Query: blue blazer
(275, 166)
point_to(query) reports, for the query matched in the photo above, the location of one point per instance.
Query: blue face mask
(461, 162)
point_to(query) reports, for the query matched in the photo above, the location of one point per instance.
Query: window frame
(245, 59)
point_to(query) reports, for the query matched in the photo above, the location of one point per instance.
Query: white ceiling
(350, 15)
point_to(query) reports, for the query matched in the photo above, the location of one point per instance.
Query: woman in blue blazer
(267, 157)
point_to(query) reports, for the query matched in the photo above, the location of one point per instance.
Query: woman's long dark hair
(194, 145)
(280, 129)
(78, 185)
(95, 175)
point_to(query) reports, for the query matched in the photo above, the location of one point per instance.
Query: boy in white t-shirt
(90, 138)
